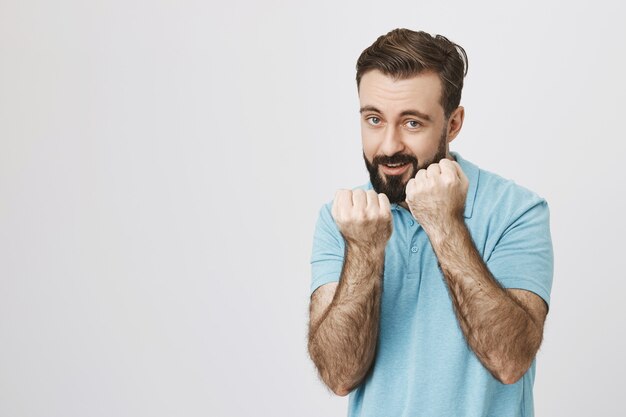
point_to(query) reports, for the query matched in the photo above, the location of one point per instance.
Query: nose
(392, 142)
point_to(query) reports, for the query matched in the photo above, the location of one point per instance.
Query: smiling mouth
(394, 169)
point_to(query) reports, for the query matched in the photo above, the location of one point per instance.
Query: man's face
(403, 129)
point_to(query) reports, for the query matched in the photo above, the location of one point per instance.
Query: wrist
(366, 250)
(442, 231)
(366, 265)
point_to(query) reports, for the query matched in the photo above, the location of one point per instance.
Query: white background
(162, 164)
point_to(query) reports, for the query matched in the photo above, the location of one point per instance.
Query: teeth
(394, 165)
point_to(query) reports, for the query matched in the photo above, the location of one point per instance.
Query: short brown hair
(403, 53)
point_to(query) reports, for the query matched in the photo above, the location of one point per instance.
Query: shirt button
(414, 249)
(411, 222)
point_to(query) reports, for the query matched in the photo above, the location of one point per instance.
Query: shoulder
(504, 193)
(495, 194)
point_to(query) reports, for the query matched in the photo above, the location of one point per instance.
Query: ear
(455, 123)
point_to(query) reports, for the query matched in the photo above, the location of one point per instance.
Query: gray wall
(162, 164)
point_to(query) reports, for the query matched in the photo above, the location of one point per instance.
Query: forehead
(392, 96)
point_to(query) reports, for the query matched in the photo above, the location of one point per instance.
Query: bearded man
(430, 283)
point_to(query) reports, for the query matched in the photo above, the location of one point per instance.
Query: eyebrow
(415, 113)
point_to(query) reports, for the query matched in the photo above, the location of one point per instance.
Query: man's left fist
(437, 194)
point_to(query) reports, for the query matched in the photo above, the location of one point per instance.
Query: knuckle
(358, 215)
(447, 180)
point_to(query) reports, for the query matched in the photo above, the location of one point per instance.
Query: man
(431, 283)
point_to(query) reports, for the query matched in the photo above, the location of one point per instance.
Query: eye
(373, 120)
(413, 124)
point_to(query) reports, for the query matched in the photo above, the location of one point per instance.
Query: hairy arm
(343, 327)
(503, 327)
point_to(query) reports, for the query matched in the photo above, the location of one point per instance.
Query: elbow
(510, 370)
(509, 379)
(510, 375)
(332, 382)
(340, 390)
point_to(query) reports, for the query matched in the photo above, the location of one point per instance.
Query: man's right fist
(363, 217)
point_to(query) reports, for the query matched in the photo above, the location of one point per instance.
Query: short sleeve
(523, 257)
(328, 250)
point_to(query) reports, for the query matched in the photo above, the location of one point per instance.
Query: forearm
(497, 327)
(342, 343)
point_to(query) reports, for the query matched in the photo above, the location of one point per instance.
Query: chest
(413, 284)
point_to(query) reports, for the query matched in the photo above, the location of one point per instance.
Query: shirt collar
(472, 172)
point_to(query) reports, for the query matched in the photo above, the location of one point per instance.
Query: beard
(393, 185)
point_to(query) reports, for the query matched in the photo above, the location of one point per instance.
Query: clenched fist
(437, 194)
(363, 217)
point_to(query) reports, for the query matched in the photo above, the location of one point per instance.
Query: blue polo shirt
(423, 365)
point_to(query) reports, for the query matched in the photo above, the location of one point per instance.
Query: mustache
(394, 159)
